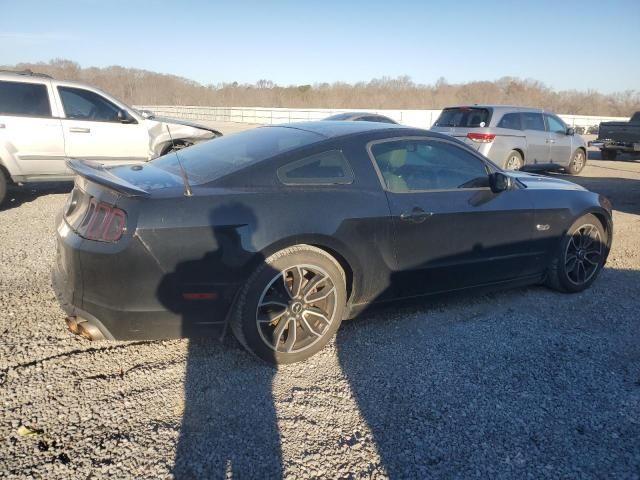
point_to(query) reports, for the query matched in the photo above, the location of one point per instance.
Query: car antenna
(187, 187)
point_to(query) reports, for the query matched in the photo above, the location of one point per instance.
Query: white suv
(45, 121)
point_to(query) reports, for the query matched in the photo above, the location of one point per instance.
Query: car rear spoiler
(96, 172)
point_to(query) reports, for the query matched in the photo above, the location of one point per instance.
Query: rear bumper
(126, 295)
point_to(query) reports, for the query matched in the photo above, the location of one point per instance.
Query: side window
(326, 168)
(555, 124)
(510, 121)
(532, 121)
(414, 165)
(82, 104)
(28, 99)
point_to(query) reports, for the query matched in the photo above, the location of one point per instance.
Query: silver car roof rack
(27, 73)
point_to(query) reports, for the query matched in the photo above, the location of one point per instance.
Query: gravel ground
(524, 383)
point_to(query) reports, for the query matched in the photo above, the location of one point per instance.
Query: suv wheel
(577, 163)
(514, 161)
(291, 306)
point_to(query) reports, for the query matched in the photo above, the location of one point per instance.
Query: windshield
(464, 117)
(216, 158)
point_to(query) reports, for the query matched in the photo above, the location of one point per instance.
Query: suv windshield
(216, 158)
(464, 117)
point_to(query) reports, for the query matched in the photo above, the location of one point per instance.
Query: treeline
(142, 87)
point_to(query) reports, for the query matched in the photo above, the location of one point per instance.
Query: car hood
(186, 123)
(543, 182)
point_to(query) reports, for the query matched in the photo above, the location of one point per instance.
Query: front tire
(291, 306)
(578, 161)
(581, 256)
(514, 161)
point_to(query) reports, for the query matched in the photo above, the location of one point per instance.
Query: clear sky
(564, 43)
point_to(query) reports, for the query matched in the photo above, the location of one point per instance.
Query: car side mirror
(125, 117)
(571, 131)
(500, 182)
(147, 114)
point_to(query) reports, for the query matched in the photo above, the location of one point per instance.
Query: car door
(537, 138)
(560, 144)
(93, 130)
(450, 230)
(29, 132)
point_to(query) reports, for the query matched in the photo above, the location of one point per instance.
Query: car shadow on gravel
(229, 427)
(506, 384)
(17, 196)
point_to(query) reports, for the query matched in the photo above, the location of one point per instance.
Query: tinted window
(211, 160)
(408, 165)
(510, 121)
(324, 168)
(555, 124)
(464, 117)
(340, 116)
(85, 105)
(29, 99)
(532, 121)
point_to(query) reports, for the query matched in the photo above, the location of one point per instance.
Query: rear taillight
(103, 223)
(481, 137)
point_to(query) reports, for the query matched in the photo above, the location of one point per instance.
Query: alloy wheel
(296, 308)
(513, 162)
(578, 161)
(583, 254)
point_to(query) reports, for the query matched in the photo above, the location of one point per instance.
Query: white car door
(93, 129)
(30, 136)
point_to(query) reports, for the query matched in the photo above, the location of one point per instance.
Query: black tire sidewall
(254, 289)
(563, 278)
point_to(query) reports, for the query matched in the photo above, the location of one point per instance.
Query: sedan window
(326, 168)
(415, 165)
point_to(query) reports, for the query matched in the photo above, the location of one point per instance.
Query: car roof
(339, 128)
(511, 108)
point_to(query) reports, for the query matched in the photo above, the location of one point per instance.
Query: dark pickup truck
(614, 137)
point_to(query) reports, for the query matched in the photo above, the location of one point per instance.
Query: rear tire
(514, 161)
(3, 186)
(578, 161)
(608, 154)
(291, 306)
(580, 257)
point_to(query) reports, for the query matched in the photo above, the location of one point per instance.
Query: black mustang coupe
(281, 232)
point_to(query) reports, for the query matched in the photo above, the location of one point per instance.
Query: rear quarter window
(326, 168)
(510, 121)
(25, 99)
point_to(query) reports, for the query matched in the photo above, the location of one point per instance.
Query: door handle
(416, 215)
(2, 125)
(79, 130)
(551, 141)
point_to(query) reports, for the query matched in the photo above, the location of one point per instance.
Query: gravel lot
(525, 383)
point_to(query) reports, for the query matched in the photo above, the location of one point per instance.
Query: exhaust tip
(80, 326)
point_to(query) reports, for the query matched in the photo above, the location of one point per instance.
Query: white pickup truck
(45, 121)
